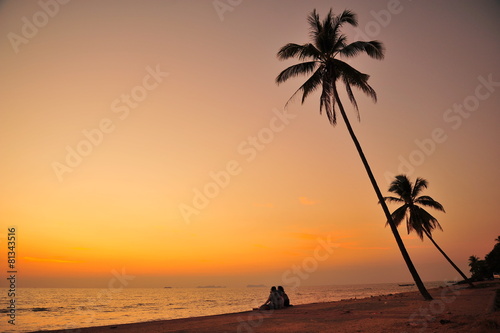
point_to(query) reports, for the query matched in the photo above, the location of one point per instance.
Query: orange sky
(116, 115)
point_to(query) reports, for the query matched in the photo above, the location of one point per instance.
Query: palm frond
(302, 68)
(347, 16)
(327, 102)
(339, 44)
(393, 199)
(302, 52)
(420, 184)
(374, 49)
(421, 220)
(402, 186)
(308, 87)
(350, 94)
(328, 20)
(398, 215)
(355, 78)
(327, 37)
(429, 202)
(315, 25)
(331, 39)
(311, 84)
(416, 221)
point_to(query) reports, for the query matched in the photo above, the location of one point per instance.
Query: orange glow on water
(152, 137)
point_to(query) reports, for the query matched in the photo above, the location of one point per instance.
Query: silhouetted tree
(321, 61)
(493, 258)
(479, 269)
(417, 218)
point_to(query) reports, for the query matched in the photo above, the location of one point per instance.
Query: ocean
(69, 308)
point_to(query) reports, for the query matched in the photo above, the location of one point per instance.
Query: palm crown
(328, 43)
(417, 218)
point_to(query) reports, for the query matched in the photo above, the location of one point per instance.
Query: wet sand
(454, 309)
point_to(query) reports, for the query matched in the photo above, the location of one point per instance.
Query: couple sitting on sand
(277, 299)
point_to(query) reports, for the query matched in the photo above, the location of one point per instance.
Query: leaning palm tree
(321, 61)
(417, 218)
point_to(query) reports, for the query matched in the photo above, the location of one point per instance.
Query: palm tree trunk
(448, 258)
(394, 229)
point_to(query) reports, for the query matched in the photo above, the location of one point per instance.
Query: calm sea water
(61, 308)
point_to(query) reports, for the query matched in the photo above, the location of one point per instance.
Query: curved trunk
(394, 229)
(447, 258)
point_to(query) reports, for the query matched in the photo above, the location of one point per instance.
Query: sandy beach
(454, 309)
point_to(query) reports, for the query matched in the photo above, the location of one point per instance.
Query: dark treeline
(483, 269)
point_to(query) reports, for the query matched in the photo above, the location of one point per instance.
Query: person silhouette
(274, 301)
(284, 296)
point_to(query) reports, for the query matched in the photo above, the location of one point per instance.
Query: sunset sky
(149, 138)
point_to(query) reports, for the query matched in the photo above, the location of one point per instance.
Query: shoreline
(455, 308)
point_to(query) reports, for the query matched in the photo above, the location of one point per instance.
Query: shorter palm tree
(474, 266)
(479, 268)
(417, 218)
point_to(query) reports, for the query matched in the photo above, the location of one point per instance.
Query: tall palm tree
(417, 218)
(321, 60)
